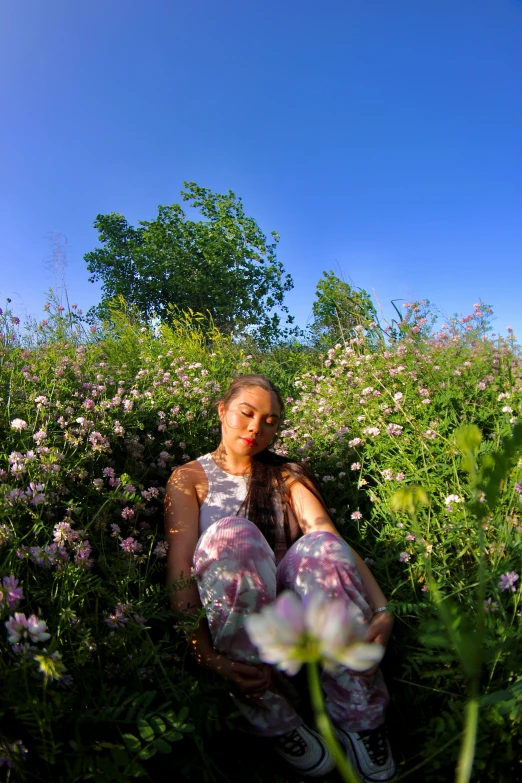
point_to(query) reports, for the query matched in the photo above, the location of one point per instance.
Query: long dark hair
(271, 474)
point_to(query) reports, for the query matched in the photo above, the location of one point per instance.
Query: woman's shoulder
(189, 475)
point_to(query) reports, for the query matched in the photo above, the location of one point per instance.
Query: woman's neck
(236, 464)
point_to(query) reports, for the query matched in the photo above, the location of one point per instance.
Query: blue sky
(380, 139)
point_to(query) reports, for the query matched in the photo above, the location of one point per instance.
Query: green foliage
(221, 264)
(106, 416)
(340, 311)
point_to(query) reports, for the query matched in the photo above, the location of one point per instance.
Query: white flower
(18, 424)
(291, 632)
(453, 499)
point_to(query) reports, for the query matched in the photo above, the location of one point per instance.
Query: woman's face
(249, 422)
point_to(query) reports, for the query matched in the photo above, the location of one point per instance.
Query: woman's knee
(233, 538)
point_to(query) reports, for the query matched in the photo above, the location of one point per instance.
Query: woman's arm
(311, 515)
(182, 533)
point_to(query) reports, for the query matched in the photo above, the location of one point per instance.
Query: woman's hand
(379, 632)
(380, 628)
(251, 680)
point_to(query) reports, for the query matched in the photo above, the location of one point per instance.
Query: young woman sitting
(247, 524)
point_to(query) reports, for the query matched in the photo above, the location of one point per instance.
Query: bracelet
(381, 609)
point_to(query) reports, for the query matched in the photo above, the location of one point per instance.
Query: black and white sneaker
(305, 751)
(369, 752)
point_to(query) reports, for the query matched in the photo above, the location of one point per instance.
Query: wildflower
(355, 466)
(399, 477)
(9, 751)
(129, 488)
(372, 431)
(354, 442)
(160, 550)
(127, 513)
(490, 606)
(387, 474)
(88, 405)
(39, 436)
(394, 429)
(18, 425)
(452, 499)
(507, 581)
(291, 632)
(50, 666)
(518, 488)
(430, 434)
(10, 592)
(82, 555)
(404, 557)
(115, 530)
(356, 515)
(426, 401)
(507, 409)
(21, 627)
(130, 545)
(398, 396)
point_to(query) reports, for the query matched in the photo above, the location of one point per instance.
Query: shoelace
(375, 744)
(292, 743)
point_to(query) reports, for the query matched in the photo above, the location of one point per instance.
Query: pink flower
(130, 545)
(430, 434)
(127, 513)
(21, 627)
(399, 477)
(404, 557)
(290, 632)
(88, 405)
(10, 592)
(394, 429)
(507, 581)
(18, 425)
(160, 550)
(356, 515)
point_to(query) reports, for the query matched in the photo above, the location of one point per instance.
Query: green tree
(339, 308)
(221, 263)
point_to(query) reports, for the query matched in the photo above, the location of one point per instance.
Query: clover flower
(10, 592)
(21, 627)
(356, 515)
(160, 550)
(18, 425)
(292, 631)
(394, 429)
(404, 557)
(130, 545)
(507, 581)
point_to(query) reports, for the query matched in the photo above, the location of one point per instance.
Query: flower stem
(467, 748)
(325, 727)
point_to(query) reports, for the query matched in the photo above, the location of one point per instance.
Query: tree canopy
(339, 308)
(221, 263)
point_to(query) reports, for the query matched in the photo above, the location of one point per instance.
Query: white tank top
(225, 497)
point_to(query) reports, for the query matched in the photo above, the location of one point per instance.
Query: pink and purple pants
(236, 575)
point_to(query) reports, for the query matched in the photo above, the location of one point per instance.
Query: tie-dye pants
(236, 575)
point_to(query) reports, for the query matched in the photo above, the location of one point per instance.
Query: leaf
(132, 742)
(172, 735)
(162, 746)
(157, 724)
(145, 730)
